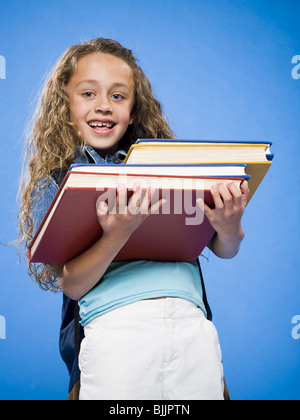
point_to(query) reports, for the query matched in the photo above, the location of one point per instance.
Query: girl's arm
(78, 276)
(225, 218)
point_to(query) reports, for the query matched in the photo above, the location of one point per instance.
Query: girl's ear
(131, 120)
(132, 115)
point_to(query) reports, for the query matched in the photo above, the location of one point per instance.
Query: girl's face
(101, 93)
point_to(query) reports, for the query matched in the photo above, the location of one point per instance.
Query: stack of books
(179, 170)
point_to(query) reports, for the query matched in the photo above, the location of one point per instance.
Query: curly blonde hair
(52, 141)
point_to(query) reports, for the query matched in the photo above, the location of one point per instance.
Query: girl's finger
(146, 200)
(209, 213)
(135, 200)
(226, 196)
(157, 205)
(245, 192)
(218, 202)
(120, 205)
(102, 211)
(102, 208)
(236, 194)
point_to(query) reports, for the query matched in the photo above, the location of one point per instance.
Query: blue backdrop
(222, 69)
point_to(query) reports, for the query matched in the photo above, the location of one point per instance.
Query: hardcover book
(179, 231)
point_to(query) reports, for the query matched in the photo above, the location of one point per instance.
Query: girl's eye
(117, 97)
(88, 94)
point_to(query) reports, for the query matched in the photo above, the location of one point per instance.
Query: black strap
(76, 329)
(207, 307)
(59, 175)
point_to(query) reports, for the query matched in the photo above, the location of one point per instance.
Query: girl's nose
(103, 105)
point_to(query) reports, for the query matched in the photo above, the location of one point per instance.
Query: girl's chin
(103, 151)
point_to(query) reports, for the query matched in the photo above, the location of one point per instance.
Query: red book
(178, 232)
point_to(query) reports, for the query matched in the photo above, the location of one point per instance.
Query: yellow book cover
(256, 155)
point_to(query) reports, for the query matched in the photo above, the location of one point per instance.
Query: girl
(145, 326)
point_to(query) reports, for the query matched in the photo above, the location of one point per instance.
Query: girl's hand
(78, 276)
(123, 219)
(230, 203)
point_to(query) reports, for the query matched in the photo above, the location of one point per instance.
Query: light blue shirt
(131, 281)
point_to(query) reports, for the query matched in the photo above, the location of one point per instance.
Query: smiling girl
(146, 332)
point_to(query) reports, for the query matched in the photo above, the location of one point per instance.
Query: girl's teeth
(108, 125)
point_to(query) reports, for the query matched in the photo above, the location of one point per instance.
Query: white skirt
(157, 349)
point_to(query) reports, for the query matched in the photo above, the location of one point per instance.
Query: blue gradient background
(222, 70)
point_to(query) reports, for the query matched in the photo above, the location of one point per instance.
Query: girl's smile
(101, 93)
(101, 127)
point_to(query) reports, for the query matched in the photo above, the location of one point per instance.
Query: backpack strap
(59, 175)
(77, 338)
(207, 307)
